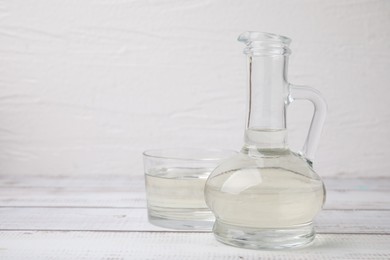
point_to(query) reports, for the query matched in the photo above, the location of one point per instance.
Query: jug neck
(267, 59)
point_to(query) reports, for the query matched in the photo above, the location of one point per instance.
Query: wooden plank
(353, 221)
(137, 181)
(57, 197)
(123, 197)
(106, 219)
(162, 245)
(372, 184)
(78, 181)
(356, 199)
(124, 191)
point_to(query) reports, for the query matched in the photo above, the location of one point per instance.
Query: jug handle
(317, 122)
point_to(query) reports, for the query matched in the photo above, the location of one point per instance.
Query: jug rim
(257, 36)
(265, 44)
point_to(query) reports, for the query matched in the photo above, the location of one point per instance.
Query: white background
(86, 86)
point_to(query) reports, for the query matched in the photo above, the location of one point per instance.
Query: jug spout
(268, 88)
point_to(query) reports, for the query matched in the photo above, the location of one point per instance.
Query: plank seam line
(74, 207)
(124, 207)
(171, 231)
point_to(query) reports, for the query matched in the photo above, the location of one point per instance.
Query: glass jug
(267, 195)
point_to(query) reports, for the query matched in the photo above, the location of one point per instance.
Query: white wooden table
(104, 217)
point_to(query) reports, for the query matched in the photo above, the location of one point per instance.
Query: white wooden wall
(86, 86)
